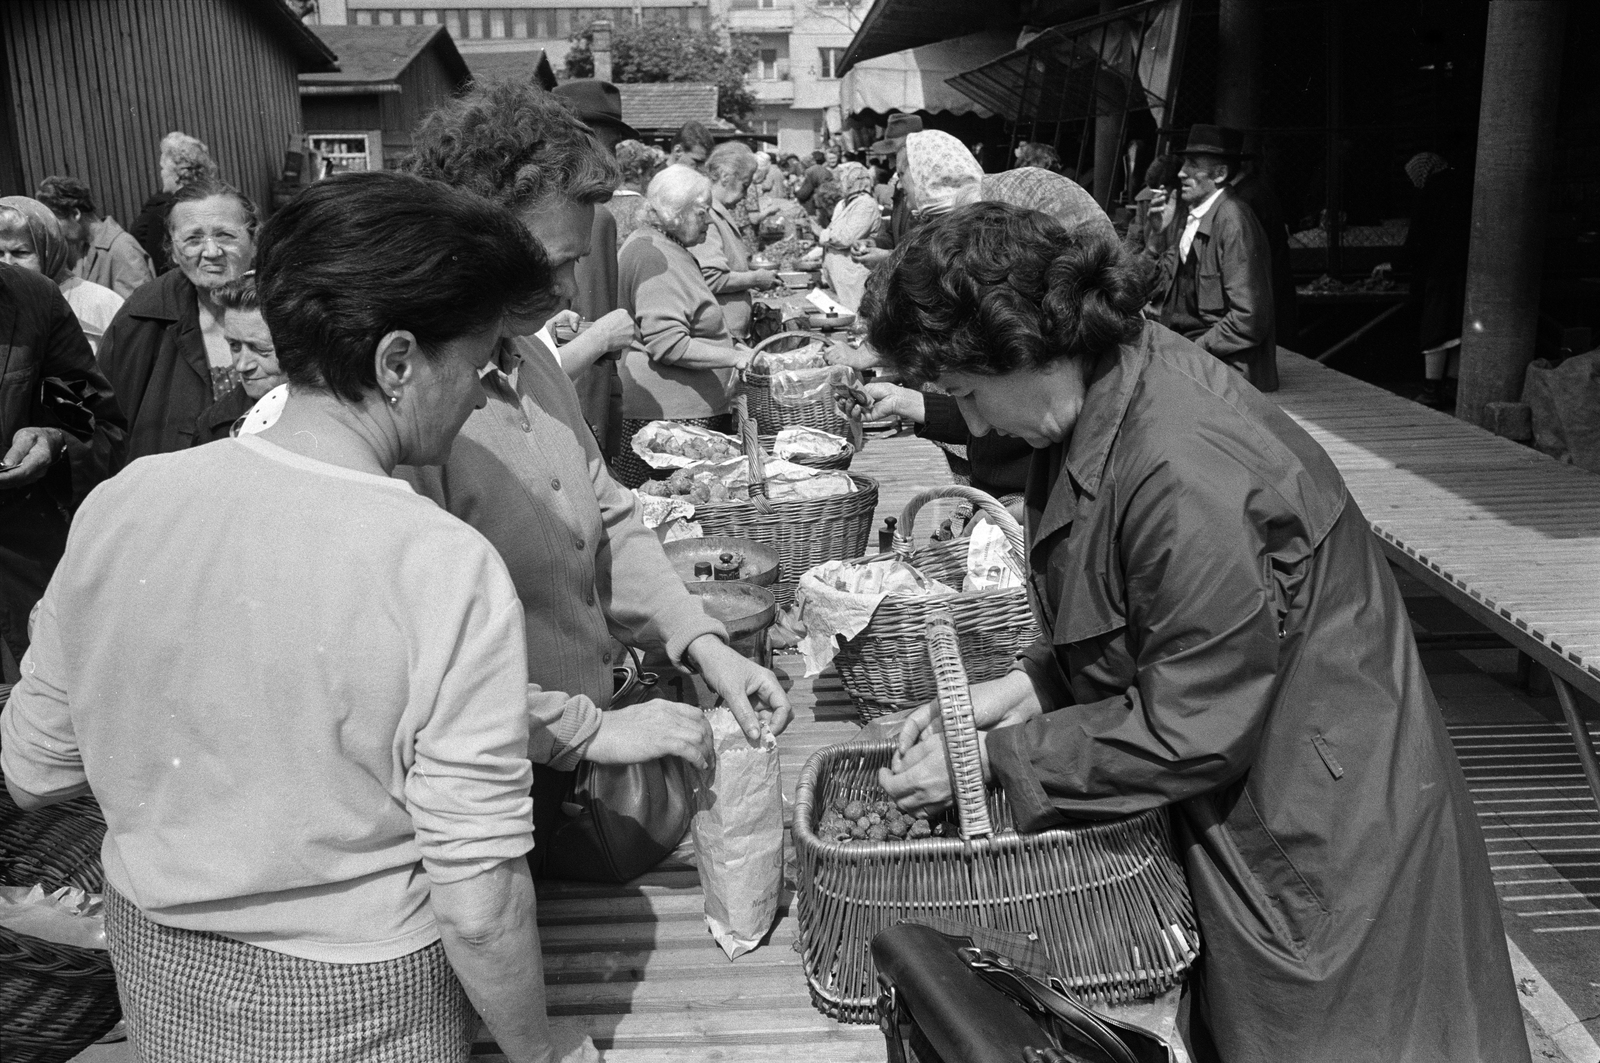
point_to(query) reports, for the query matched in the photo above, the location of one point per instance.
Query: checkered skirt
(191, 996)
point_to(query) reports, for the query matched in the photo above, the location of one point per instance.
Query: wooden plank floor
(1516, 530)
(634, 965)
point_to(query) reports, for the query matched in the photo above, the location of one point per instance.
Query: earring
(394, 400)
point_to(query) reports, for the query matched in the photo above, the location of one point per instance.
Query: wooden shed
(89, 87)
(360, 116)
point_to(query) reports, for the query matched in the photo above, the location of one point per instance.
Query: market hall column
(1516, 156)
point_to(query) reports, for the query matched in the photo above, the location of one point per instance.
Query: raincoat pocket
(1273, 870)
(1208, 292)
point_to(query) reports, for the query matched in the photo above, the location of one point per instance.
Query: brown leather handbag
(620, 820)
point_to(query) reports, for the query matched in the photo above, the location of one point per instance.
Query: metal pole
(1333, 58)
(1022, 106)
(1580, 734)
(1127, 102)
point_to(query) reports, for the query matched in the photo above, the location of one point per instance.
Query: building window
(519, 23)
(767, 65)
(430, 18)
(362, 18)
(341, 152)
(828, 61)
(835, 3)
(452, 22)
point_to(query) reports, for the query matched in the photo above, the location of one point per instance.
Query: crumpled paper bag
(838, 598)
(990, 565)
(67, 916)
(738, 835)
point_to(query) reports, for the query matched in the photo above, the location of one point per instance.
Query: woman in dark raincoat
(1222, 637)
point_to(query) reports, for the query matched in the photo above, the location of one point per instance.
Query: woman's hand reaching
(918, 776)
(892, 400)
(649, 731)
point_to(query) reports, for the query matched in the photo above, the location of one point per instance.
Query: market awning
(915, 79)
(895, 25)
(1108, 64)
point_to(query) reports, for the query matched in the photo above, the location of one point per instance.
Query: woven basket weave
(55, 1000)
(805, 533)
(1107, 901)
(771, 417)
(885, 669)
(835, 462)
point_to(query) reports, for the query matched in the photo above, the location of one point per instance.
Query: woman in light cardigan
(854, 220)
(680, 367)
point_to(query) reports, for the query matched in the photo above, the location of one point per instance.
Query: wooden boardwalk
(1504, 526)
(635, 966)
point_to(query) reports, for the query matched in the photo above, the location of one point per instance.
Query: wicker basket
(884, 668)
(835, 462)
(1107, 901)
(805, 533)
(771, 418)
(55, 1000)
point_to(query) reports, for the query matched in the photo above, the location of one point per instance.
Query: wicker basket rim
(863, 485)
(805, 800)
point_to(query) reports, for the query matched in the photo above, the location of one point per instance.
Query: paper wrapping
(738, 836)
(68, 916)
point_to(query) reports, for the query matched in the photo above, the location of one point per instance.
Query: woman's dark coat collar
(1108, 392)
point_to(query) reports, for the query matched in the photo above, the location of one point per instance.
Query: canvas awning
(916, 79)
(1108, 64)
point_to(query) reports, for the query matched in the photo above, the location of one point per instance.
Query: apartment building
(479, 27)
(796, 76)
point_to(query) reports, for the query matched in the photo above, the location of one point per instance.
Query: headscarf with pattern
(940, 173)
(45, 231)
(1049, 193)
(853, 178)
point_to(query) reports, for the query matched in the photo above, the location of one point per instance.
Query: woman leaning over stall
(1221, 637)
(296, 688)
(679, 368)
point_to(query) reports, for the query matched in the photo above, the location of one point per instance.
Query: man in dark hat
(895, 132)
(599, 105)
(1215, 285)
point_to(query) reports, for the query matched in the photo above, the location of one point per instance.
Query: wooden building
(360, 116)
(89, 87)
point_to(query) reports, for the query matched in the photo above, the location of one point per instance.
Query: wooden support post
(1516, 155)
(1239, 28)
(1107, 130)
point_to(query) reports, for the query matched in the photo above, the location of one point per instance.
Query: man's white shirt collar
(1192, 226)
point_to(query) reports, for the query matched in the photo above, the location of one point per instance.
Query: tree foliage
(655, 51)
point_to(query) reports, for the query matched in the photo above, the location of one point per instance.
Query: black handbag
(947, 999)
(620, 820)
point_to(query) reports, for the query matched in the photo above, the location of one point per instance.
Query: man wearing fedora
(895, 132)
(1215, 285)
(599, 106)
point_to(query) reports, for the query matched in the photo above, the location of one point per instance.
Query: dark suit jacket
(156, 360)
(1233, 280)
(216, 421)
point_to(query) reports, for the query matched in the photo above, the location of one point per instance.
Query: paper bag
(738, 836)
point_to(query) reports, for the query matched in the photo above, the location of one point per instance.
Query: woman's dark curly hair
(514, 144)
(990, 289)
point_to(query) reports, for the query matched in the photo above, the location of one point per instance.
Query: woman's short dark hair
(692, 135)
(514, 144)
(241, 295)
(65, 195)
(991, 288)
(359, 255)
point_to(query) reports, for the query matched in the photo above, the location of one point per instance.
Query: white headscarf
(940, 173)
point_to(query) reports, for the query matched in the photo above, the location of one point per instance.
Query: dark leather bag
(948, 1000)
(620, 820)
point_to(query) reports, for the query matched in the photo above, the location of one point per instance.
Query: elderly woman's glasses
(195, 243)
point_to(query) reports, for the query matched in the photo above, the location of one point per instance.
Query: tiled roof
(512, 66)
(374, 54)
(668, 104)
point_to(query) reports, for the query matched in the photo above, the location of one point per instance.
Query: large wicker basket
(805, 533)
(55, 1000)
(1107, 901)
(771, 417)
(885, 668)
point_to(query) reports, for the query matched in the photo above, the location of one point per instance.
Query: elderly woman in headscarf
(937, 174)
(31, 237)
(855, 218)
(992, 462)
(679, 367)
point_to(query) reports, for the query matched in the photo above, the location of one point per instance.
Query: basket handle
(960, 729)
(806, 334)
(905, 535)
(754, 455)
